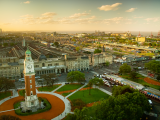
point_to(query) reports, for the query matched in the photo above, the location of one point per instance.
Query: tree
(124, 106)
(133, 75)
(97, 51)
(75, 76)
(56, 44)
(153, 66)
(52, 78)
(23, 93)
(119, 90)
(107, 63)
(125, 68)
(158, 77)
(9, 117)
(95, 81)
(77, 103)
(6, 84)
(46, 79)
(77, 48)
(40, 100)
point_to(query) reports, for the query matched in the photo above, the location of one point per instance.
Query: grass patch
(46, 88)
(85, 86)
(69, 87)
(141, 81)
(21, 92)
(96, 95)
(18, 111)
(5, 94)
(65, 94)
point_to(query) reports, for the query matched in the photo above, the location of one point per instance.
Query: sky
(80, 15)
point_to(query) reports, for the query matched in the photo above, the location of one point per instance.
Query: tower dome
(28, 51)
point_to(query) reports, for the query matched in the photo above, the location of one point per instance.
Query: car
(150, 102)
(21, 79)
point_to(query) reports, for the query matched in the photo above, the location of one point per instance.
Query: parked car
(21, 79)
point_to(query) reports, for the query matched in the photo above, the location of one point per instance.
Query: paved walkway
(76, 90)
(105, 91)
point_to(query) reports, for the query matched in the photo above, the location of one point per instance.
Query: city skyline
(76, 15)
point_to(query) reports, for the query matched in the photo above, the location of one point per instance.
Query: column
(64, 70)
(55, 70)
(59, 70)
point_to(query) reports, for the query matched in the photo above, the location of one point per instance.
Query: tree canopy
(97, 51)
(107, 63)
(125, 68)
(56, 44)
(75, 76)
(153, 66)
(128, 106)
(49, 79)
(6, 84)
(9, 117)
(119, 90)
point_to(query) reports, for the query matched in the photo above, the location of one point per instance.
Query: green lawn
(45, 88)
(141, 81)
(85, 86)
(18, 111)
(69, 87)
(96, 95)
(65, 94)
(21, 92)
(4, 95)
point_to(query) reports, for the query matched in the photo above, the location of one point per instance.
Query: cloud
(78, 15)
(109, 7)
(27, 2)
(47, 18)
(115, 20)
(47, 15)
(131, 10)
(155, 19)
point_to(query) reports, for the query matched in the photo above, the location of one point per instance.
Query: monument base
(32, 108)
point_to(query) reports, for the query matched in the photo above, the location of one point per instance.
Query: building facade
(140, 39)
(14, 69)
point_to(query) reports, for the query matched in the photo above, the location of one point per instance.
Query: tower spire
(139, 34)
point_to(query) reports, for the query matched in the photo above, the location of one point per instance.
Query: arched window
(43, 65)
(31, 93)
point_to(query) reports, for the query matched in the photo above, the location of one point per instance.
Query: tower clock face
(29, 66)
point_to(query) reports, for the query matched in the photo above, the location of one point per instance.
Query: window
(36, 65)
(43, 65)
(30, 76)
(49, 64)
(30, 81)
(30, 86)
(31, 93)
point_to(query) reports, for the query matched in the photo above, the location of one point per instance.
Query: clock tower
(31, 100)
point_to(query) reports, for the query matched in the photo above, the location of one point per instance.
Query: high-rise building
(23, 42)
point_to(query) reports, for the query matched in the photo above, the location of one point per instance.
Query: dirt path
(150, 81)
(71, 90)
(57, 108)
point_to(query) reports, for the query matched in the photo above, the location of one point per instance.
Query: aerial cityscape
(79, 60)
